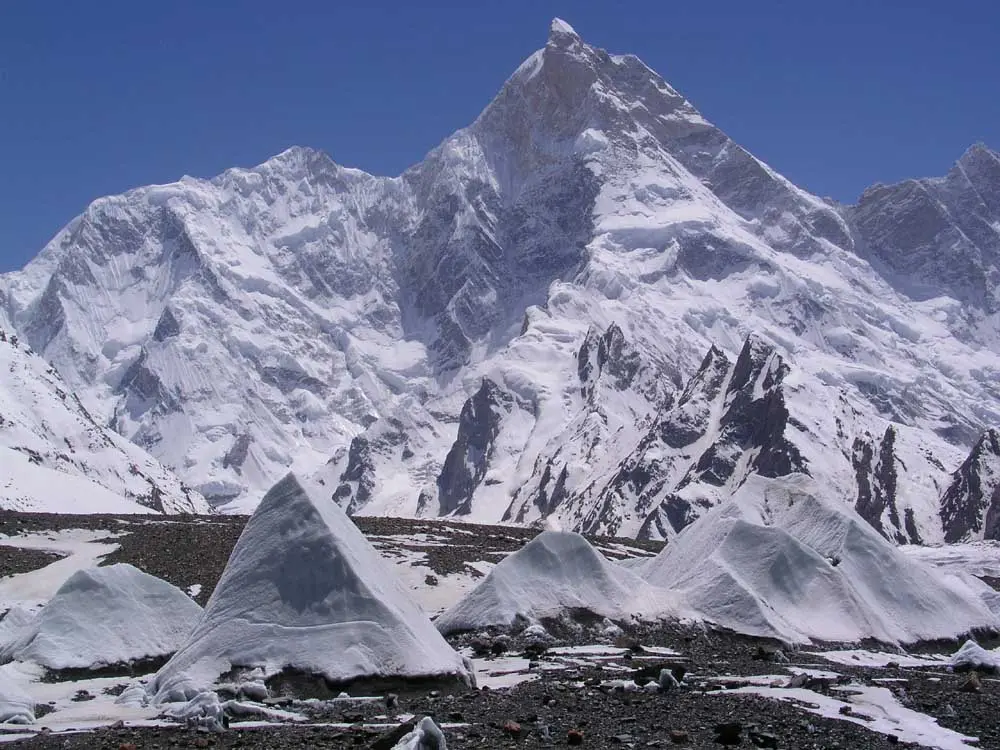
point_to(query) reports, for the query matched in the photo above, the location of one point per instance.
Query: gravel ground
(186, 550)
(14, 560)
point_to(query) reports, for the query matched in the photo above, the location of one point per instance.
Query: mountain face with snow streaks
(516, 328)
(57, 458)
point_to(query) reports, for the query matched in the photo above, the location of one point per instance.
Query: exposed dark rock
(166, 326)
(876, 476)
(357, 480)
(970, 506)
(468, 460)
(237, 454)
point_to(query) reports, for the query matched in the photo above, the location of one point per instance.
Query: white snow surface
(875, 708)
(780, 560)
(263, 319)
(57, 458)
(303, 589)
(866, 658)
(553, 574)
(105, 616)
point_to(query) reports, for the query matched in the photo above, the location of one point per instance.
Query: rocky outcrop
(970, 506)
(621, 391)
(729, 422)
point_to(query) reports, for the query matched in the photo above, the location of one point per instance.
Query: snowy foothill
(555, 574)
(105, 616)
(305, 591)
(781, 560)
(57, 457)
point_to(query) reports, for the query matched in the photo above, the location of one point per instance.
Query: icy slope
(56, 457)
(778, 560)
(106, 616)
(304, 590)
(556, 574)
(493, 333)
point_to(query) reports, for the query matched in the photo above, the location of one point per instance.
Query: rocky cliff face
(729, 422)
(580, 246)
(938, 235)
(878, 467)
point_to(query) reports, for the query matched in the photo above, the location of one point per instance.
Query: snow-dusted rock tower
(304, 591)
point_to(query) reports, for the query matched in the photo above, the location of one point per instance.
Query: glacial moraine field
(589, 683)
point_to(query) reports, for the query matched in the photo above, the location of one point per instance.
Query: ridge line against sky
(96, 99)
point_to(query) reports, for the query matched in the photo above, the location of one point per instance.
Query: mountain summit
(589, 304)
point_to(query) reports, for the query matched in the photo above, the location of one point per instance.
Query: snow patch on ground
(874, 708)
(866, 658)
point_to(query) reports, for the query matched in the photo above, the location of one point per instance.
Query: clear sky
(97, 97)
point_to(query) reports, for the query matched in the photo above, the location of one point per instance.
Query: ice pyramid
(778, 560)
(304, 591)
(555, 573)
(105, 616)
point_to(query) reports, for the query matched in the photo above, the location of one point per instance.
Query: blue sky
(98, 97)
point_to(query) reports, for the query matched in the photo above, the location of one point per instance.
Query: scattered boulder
(389, 739)
(762, 739)
(512, 729)
(425, 736)
(668, 681)
(972, 684)
(729, 733)
(574, 737)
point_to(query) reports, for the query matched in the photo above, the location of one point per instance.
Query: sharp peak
(977, 150)
(561, 33)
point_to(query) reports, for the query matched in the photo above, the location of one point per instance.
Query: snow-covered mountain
(516, 328)
(56, 457)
